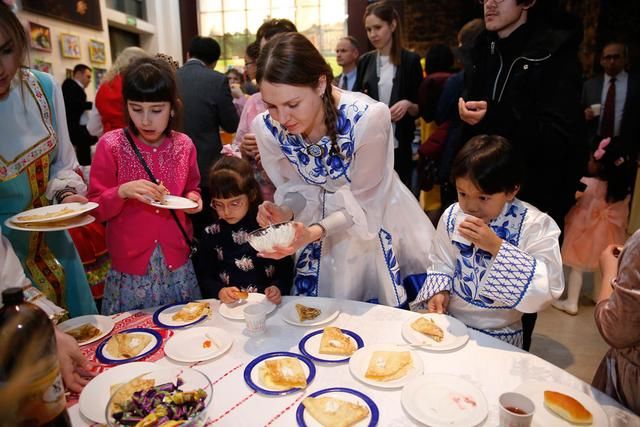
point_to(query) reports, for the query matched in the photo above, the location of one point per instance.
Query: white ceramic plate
(328, 311)
(305, 419)
(104, 323)
(235, 311)
(72, 223)
(175, 202)
(444, 400)
(543, 417)
(309, 345)
(455, 333)
(163, 317)
(104, 356)
(252, 372)
(359, 363)
(198, 344)
(96, 394)
(75, 209)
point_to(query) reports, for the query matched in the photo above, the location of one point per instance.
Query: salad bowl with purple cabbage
(167, 397)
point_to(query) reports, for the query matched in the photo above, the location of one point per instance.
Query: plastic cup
(255, 316)
(516, 410)
(596, 109)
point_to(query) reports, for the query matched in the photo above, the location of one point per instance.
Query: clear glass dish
(265, 239)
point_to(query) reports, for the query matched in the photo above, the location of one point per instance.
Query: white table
(490, 364)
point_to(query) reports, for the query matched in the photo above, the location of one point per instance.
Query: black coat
(75, 104)
(532, 83)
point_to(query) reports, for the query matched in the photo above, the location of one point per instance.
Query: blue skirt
(160, 286)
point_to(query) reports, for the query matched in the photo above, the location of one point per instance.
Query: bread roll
(567, 407)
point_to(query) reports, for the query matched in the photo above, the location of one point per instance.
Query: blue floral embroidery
(317, 170)
(392, 266)
(308, 270)
(472, 264)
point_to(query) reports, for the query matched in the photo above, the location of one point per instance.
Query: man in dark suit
(621, 93)
(347, 54)
(75, 104)
(208, 106)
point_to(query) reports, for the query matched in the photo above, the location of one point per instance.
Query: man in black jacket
(525, 85)
(75, 104)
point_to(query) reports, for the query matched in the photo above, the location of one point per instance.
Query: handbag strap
(154, 180)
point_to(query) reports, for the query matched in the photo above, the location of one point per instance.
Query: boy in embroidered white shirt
(494, 256)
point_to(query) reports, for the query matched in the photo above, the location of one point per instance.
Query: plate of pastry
(444, 400)
(310, 311)
(435, 332)
(76, 221)
(181, 315)
(330, 345)
(96, 394)
(337, 406)
(235, 311)
(279, 373)
(385, 365)
(53, 213)
(560, 405)
(175, 202)
(129, 345)
(87, 329)
(198, 344)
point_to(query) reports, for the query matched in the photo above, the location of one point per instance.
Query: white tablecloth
(493, 366)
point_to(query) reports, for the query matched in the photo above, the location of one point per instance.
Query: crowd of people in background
(521, 166)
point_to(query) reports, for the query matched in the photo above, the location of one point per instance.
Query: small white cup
(596, 109)
(256, 317)
(516, 410)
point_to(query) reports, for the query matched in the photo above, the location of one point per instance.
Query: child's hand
(142, 190)
(439, 303)
(192, 195)
(227, 295)
(273, 294)
(478, 232)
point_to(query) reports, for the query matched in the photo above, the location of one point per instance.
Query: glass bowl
(265, 239)
(190, 380)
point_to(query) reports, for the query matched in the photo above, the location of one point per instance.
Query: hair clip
(601, 148)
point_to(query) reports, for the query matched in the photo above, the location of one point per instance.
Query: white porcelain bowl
(265, 239)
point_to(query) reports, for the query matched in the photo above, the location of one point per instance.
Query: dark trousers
(403, 163)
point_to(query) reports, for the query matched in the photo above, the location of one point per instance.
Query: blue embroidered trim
(308, 265)
(434, 283)
(511, 275)
(391, 261)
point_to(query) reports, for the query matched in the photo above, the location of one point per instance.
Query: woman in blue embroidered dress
(37, 164)
(360, 232)
(495, 257)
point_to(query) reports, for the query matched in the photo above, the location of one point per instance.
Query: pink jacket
(134, 228)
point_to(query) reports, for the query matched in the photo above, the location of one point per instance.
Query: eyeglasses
(233, 205)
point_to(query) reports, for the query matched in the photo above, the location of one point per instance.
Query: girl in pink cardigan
(150, 255)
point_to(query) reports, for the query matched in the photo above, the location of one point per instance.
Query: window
(233, 23)
(130, 7)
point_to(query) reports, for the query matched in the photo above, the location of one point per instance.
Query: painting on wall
(40, 37)
(80, 12)
(70, 46)
(96, 51)
(43, 66)
(98, 75)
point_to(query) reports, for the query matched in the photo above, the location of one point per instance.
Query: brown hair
(231, 177)
(10, 24)
(151, 80)
(291, 59)
(387, 13)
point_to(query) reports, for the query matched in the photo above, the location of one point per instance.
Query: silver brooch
(315, 150)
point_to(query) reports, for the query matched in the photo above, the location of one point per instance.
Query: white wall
(161, 33)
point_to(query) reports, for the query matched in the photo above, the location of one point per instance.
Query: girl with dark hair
(38, 168)
(392, 75)
(360, 233)
(598, 219)
(149, 246)
(495, 257)
(230, 263)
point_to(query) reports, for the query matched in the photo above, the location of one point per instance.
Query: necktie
(344, 84)
(609, 114)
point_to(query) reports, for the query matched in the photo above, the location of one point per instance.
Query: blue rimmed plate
(252, 376)
(310, 346)
(163, 317)
(156, 342)
(305, 419)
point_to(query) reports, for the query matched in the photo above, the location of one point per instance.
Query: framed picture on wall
(98, 75)
(70, 46)
(96, 51)
(44, 66)
(40, 37)
(79, 12)
(68, 73)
